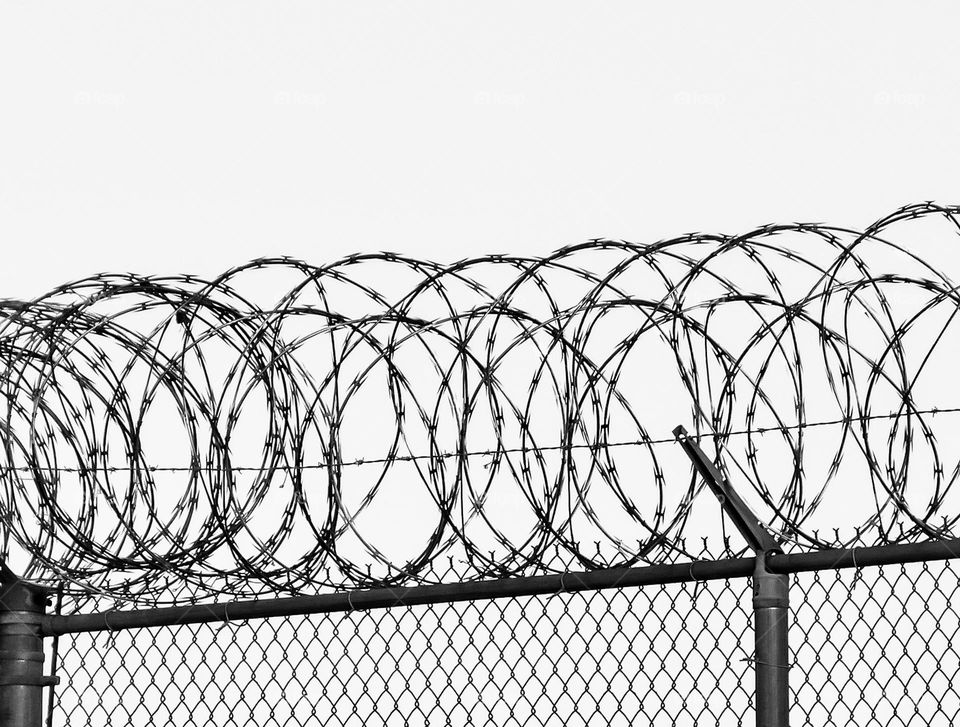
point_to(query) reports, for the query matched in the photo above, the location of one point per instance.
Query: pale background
(177, 136)
(180, 138)
(189, 137)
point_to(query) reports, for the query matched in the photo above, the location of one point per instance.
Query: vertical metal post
(771, 616)
(771, 606)
(22, 681)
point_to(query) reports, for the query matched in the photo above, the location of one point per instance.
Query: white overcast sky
(163, 137)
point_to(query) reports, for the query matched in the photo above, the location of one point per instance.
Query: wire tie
(226, 618)
(755, 660)
(697, 583)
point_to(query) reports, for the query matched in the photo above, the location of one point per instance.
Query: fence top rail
(363, 600)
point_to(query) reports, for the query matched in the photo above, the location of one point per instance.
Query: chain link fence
(870, 646)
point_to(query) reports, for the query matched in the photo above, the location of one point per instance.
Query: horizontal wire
(489, 452)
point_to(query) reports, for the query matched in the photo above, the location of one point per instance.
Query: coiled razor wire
(287, 427)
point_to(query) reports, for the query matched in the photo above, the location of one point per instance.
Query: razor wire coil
(506, 411)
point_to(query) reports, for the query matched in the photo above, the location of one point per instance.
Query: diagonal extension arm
(745, 520)
(771, 594)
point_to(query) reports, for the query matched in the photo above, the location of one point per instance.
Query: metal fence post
(771, 607)
(771, 625)
(22, 680)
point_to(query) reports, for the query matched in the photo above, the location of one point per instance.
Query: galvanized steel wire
(253, 432)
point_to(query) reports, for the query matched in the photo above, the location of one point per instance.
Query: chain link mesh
(869, 647)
